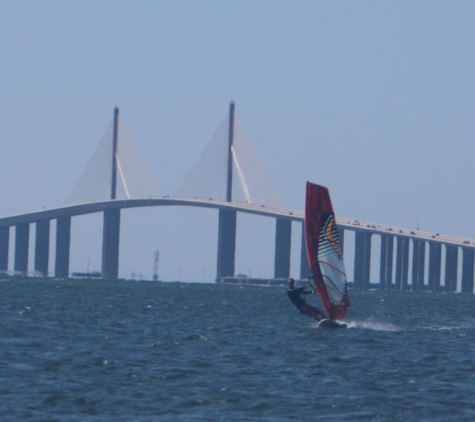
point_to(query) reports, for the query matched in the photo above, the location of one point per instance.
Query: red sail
(324, 252)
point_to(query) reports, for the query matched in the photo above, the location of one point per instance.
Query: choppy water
(129, 351)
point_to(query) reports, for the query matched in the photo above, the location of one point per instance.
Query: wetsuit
(296, 296)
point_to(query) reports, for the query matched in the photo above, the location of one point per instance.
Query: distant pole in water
(230, 153)
(114, 153)
(155, 266)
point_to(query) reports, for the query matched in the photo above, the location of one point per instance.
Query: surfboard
(331, 324)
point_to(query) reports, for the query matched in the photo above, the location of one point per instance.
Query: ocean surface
(143, 351)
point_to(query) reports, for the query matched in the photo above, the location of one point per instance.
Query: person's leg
(311, 311)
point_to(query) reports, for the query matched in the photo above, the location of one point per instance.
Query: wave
(373, 325)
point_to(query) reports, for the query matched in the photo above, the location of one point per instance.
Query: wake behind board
(330, 323)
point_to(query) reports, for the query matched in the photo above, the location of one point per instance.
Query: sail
(324, 252)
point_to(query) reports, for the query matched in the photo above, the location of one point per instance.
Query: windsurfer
(296, 297)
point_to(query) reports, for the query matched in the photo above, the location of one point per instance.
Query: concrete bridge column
(386, 262)
(402, 263)
(435, 258)
(22, 238)
(42, 247)
(341, 235)
(63, 243)
(418, 264)
(4, 247)
(467, 270)
(362, 260)
(451, 268)
(359, 254)
(283, 234)
(305, 270)
(110, 244)
(226, 243)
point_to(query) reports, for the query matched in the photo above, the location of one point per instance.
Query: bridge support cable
(283, 235)
(42, 247)
(22, 238)
(4, 247)
(208, 177)
(451, 268)
(122, 179)
(435, 259)
(386, 262)
(254, 185)
(230, 168)
(110, 244)
(63, 245)
(116, 159)
(226, 243)
(244, 186)
(468, 258)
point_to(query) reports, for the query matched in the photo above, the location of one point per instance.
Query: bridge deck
(354, 225)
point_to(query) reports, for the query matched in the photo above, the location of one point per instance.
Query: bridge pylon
(227, 218)
(111, 220)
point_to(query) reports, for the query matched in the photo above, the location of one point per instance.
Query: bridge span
(408, 259)
(434, 264)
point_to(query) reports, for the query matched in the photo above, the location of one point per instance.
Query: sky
(374, 99)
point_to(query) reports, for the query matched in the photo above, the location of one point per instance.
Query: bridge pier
(386, 262)
(22, 238)
(442, 255)
(283, 234)
(42, 247)
(402, 263)
(451, 268)
(110, 244)
(435, 259)
(418, 264)
(4, 247)
(226, 243)
(362, 260)
(63, 243)
(341, 235)
(467, 270)
(305, 270)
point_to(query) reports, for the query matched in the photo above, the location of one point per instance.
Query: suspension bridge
(228, 177)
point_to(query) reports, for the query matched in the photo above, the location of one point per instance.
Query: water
(130, 351)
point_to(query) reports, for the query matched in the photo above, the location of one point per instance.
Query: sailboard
(325, 254)
(331, 323)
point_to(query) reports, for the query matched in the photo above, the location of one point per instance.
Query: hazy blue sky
(375, 99)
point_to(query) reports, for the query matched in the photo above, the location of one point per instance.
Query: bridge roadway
(363, 230)
(347, 224)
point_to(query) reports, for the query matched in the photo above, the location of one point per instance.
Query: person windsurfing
(296, 297)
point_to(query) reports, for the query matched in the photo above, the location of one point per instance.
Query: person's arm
(302, 291)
